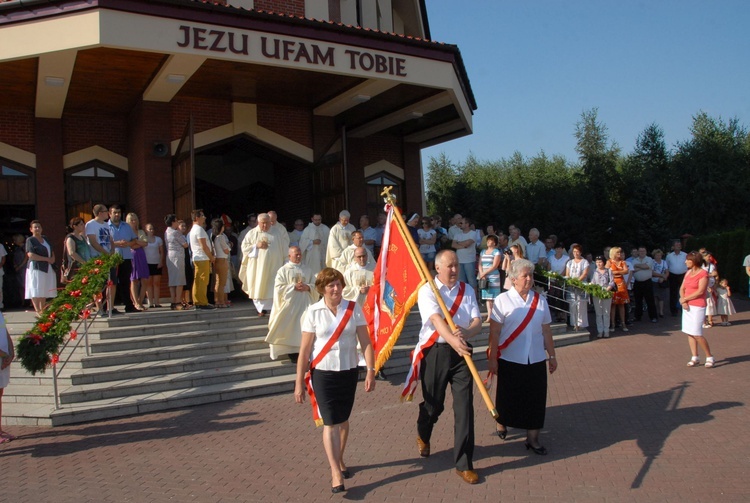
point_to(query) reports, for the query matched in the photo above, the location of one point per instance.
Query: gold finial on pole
(389, 198)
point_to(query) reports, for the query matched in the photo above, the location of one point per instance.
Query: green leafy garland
(590, 288)
(39, 347)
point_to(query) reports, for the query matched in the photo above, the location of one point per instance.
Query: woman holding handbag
(76, 247)
(519, 335)
(41, 281)
(488, 281)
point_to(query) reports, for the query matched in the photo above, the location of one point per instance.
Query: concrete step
(171, 366)
(174, 381)
(175, 339)
(165, 316)
(173, 352)
(28, 414)
(176, 325)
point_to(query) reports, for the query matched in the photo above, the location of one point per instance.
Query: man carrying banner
(439, 359)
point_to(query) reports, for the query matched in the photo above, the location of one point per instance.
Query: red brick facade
(290, 7)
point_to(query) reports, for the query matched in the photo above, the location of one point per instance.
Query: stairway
(163, 359)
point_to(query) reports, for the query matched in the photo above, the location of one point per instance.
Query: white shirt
(102, 233)
(575, 269)
(197, 232)
(152, 251)
(428, 305)
(643, 274)
(676, 263)
(423, 234)
(466, 255)
(535, 251)
(343, 354)
(510, 309)
(558, 264)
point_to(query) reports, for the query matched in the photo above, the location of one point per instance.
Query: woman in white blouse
(577, 268)
(519, 335)
(330, 330)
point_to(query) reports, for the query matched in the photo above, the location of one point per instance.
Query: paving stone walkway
(626, 421)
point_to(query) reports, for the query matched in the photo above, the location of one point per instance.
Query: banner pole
(417, 257)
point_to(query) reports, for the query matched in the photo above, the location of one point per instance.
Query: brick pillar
(413, 190)
(149, 176)
(50, 181)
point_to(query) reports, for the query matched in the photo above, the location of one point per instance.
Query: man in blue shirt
(123, 238)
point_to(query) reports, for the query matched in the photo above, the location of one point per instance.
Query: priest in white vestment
(358, 278)
(313, 243)
(263, 255)
(293, 291)
(339, 238)
(296, 233)
(347, 257)
(278, 229)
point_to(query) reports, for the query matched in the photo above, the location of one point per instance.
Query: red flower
(44, 327)
(73, 335)
(67, 306)
(85, 314)
(75, 293)
(85, 280)
(98, 262)
(52, 316)
(98, 297)
(110, 282)
(36, 339)
(95, 270)
(55, 359)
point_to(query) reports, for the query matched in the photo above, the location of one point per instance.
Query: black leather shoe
(502, 433)
(338, 489)
(346, 473)
(541, 450)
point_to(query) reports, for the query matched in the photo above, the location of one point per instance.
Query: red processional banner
(397, 279)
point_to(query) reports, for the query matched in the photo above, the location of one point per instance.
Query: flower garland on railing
(39, 347)
(590, 288)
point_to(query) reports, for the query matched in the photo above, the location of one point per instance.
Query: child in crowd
(724, 305)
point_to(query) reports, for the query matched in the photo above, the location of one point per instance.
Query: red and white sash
(334, 332)
(418, 353)
(520, 328)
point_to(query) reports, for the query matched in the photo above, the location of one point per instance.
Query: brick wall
(50, 196)
(81, 131)
(292, 7)
(207, 114)
(290, 122)
(149, 177)
(17, 128)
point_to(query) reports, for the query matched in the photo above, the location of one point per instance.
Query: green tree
(599, 160)
(712, 176)
(644, 181)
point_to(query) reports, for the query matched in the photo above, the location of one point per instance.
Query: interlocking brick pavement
(626, 421)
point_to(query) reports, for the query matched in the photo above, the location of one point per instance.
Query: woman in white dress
(41, 282)
(577, 268)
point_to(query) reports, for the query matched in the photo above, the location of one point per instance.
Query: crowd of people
(313, 281)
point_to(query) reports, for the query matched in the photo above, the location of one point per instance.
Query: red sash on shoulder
(418, 353)
(323, 352)
(520, 328)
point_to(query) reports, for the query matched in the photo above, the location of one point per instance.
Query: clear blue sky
(535, 65)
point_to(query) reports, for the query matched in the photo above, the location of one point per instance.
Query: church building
(232, 106)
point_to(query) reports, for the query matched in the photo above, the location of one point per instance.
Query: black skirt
(334, 391)
(521, 398)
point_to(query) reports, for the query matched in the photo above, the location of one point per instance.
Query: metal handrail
(86, 322)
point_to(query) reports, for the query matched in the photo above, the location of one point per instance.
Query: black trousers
(441, 365)
(123, 283)
(675, 282)
(644, 290)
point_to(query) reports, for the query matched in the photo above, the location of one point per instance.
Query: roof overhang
(106, 55)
